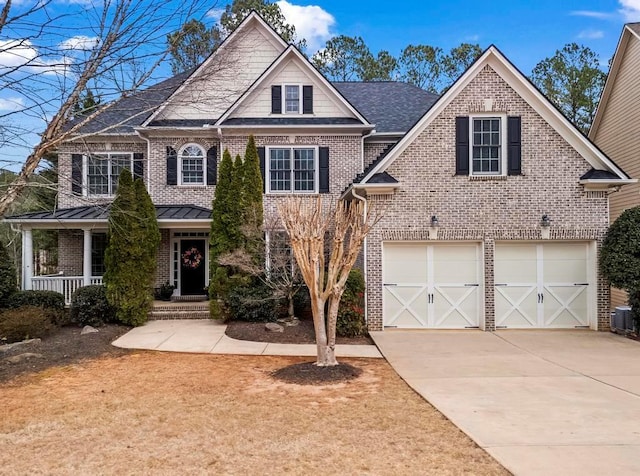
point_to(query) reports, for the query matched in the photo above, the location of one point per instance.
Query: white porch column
(27, 258)
(86, 257)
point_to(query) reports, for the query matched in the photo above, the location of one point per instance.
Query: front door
(192, 267)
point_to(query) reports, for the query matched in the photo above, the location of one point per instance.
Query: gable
(222, 79)
(486, 101)
(291, 72)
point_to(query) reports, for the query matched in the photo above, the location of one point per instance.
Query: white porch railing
(64, 285)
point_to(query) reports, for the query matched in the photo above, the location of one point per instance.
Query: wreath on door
(191, 258)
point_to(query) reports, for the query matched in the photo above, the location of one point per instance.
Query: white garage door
(542, 285)
(431, 285)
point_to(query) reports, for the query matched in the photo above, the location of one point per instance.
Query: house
(616, 126)
(495, 205)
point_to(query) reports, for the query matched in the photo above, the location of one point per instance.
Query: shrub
(90, 307)
(252, 303)
(350, 321)
(51, 301)
(26, 322)
(8, 279)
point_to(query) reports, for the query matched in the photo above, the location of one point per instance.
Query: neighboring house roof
(100, 214)
(391, 106)
(516, 80)
(629, 32)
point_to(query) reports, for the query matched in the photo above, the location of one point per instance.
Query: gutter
(364, 251)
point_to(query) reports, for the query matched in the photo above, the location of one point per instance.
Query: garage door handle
(539, 297)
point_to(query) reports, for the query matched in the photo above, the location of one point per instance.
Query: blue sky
(526, 31)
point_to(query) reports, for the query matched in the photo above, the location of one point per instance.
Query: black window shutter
(76, 174)
(172, 166)
(262, 167)
(276, 99)
(138, 166)
(462, 145)
(307, 99)
(212, 166)
(514, 146)
(323, 164)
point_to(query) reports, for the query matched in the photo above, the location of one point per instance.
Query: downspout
(364, 250)
(366, 136)
(148, 161)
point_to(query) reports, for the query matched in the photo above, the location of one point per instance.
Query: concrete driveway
(540, 402)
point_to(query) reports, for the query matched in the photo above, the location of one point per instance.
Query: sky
(526, 31)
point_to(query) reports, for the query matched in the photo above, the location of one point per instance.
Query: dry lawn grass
(160, 413)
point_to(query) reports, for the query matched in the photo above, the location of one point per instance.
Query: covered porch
(82, 232)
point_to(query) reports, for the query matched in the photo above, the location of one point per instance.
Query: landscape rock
(292, 322)
(88, 330)
(7, 347)
(16, 359)
(273, 327)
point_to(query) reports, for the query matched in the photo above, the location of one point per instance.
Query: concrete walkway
(540, 402)
(207, 336)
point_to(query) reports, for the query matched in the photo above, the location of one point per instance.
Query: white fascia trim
(608, 182)
(194, 223)
(621, 47)
(205, 63)
(528, 92)
(292, 50)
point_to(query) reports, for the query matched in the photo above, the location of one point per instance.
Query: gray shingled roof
(391, 106)
(594, 174)
(132, 111)
(101, 213)
(635, 27)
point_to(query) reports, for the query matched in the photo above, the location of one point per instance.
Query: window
(191, 165)
(98, 247)
(292, 99)
(103, 171)
(486, 146)
(292, 170)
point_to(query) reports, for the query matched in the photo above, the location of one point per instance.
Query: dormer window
(291, 99)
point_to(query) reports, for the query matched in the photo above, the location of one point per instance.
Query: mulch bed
(308, 373)
(64, 346)
(303, 333)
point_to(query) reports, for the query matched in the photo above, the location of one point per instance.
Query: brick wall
(495, 208)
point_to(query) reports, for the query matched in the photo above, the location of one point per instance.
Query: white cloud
(592, 14)
(215, 13)
(630, 10)
(591, 34)
(311, 21)
(80, 42)
(15, 53)
(11, 104)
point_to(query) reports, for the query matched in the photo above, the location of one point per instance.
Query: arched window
(191, 165)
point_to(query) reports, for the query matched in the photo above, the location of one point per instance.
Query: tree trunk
(326, 356)
(326, 353)
(291, 310)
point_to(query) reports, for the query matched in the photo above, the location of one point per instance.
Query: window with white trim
(98, 248)
(103, 171)
(293, 169)
(191, 165)
(486, 146)
(292, 98)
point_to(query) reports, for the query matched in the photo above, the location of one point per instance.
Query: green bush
(51, 301)
(7, 276)
(351, 321)
(252, 303)
(90, 307)
(26, 322)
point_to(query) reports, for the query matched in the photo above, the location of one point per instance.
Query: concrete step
(155, 315)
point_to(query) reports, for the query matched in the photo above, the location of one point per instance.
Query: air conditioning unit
(622, 319)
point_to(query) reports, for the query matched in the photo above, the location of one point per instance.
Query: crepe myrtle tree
(620, 257)
(49, 63)
(313, 230)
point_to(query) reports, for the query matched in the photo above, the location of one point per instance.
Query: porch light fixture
(546, 221)
(434, 221)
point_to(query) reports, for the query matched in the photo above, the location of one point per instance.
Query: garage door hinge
(472, 327)
(501, 327)
(472, 285)
(581, 284)
(500, 284)
(581, 327)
